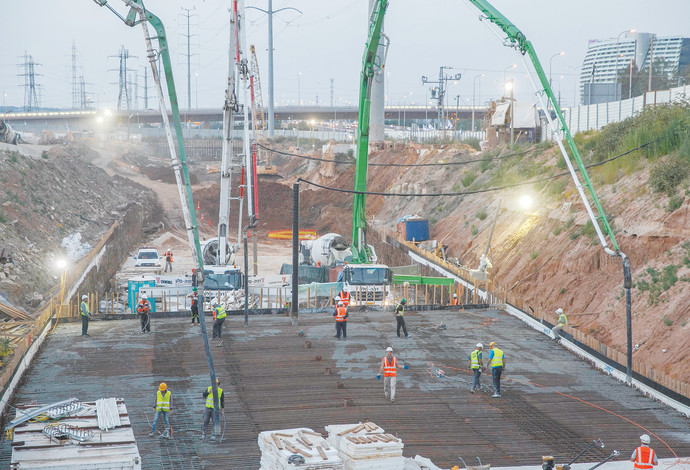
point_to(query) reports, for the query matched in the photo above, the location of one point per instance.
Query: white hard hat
(340, 304)
(144, 296)
(644, 438)
(455, 296)
(559, 311)
(480, 345)
(389, 349)
(84, 297)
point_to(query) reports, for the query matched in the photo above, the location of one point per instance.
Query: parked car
(147, 257)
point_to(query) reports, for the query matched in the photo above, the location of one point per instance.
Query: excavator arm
(361, 252)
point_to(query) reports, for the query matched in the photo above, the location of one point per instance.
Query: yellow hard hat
(492, 344)
(163, 386)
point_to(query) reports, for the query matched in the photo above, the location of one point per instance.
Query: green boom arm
(360, 249)
(520, 42)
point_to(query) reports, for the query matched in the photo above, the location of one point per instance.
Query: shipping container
(416, 230)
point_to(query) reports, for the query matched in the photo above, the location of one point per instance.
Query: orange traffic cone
(209, 222)
(197, 205)
(202, 216)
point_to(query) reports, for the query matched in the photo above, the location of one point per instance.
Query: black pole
(627, 283)
(295, 251)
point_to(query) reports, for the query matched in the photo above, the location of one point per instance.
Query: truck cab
(222, 278)
(368, 284)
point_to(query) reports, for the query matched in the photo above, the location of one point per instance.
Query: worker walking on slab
(195, 305)
(168, 260)
(476, 365)
(219, 315)
(643, 456)
(400, 317)
(144, 312)
(163, 405)
(341, 315)
(85, 315)
(497, 362)
(208, 411)
(562, 321)
(389, 369)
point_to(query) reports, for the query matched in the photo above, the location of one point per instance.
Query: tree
(664, 76)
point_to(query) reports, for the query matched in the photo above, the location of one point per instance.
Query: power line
(189, 54)
(403, 165)
(477, 191)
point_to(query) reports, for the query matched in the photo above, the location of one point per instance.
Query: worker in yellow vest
(219, 314)
(497, 362)
(562, 321)
(476, 366)
(341, 315)
(162, 406)
(643, 456)
(85, 314)
(208, 411)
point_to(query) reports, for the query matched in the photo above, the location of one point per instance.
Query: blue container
(417, 230)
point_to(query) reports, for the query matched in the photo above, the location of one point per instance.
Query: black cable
(478, 191)
(307, 157)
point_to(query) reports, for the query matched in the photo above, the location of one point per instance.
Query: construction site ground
(552, 403)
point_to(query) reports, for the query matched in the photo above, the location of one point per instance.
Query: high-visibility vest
(562, 319)
(84, 309)
(169, 256)
(474, 358)
(390, 368)
(143, 306)
(644, 458)
(402, 310)
(209, 398)
(163, 401)
(220, 312)
(497, 360)
(340, 313)
(455, 301)
(344, 297)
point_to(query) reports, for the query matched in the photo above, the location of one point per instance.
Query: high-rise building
(606, 56)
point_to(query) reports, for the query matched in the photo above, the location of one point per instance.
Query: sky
(324, 42)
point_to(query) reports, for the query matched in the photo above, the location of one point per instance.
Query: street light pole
(474, 86)
(550, 63)
(512, 114)
(299, 89)
(630, 83)
(506, 70)
(615, 75)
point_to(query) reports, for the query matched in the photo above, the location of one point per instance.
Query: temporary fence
(596, 116)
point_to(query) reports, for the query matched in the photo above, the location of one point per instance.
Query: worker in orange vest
(340, 315)
(455, 299)
(344, 297)
(389, 369)
(168, 260)
(644, 456)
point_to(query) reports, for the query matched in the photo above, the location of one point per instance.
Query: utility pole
(439, 92)
(30, 94)
(75, 84)
(271, 100)
(189, 54)
(123, 85)
(146, 88)
(332, 92)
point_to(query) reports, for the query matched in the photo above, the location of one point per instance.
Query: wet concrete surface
(552, 403)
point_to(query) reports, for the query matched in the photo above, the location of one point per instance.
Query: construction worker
(208, 411)
(476, 365)
(341, 315)
(168, 260)
(389, 369)
(400, 317)
(455, 299)
(144, 312)
(644, 456)
(85, 315)
(219, 315)
(562, 321)
(163, 405)
(344, 297)
(497, 362)
(195, 305)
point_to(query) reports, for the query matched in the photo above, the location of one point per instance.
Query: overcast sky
(325, 42)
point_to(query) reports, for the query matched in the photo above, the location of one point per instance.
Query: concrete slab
(552, 403)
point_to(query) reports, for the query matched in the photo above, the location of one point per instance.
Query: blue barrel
(417, 230)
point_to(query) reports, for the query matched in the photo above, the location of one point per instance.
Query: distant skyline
(325, 42)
